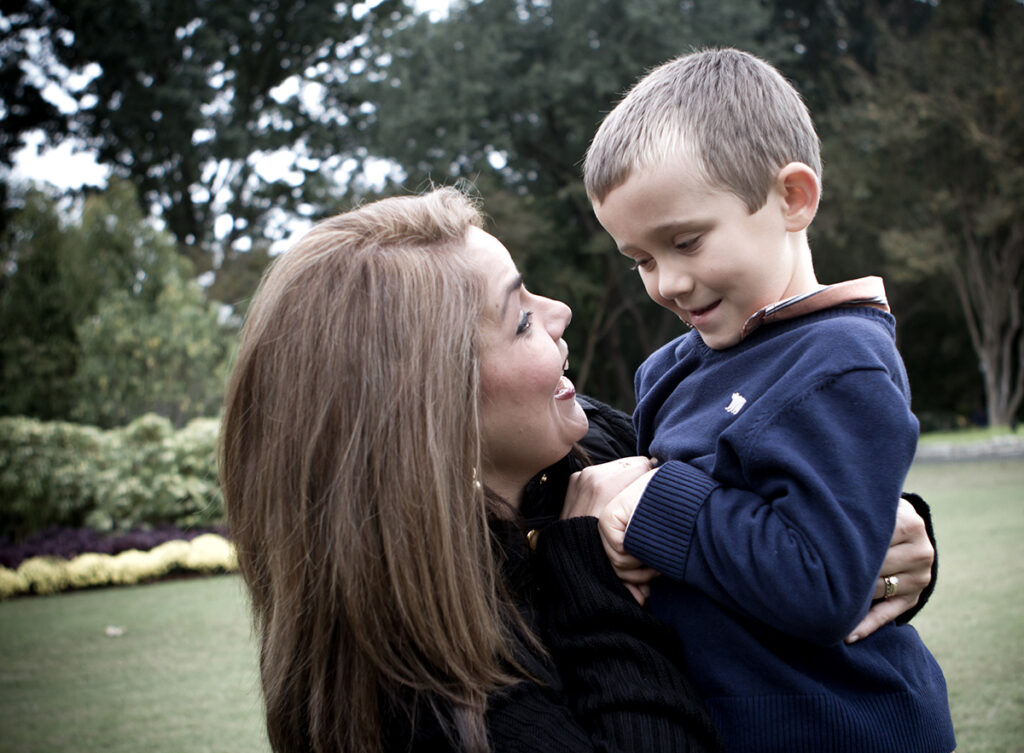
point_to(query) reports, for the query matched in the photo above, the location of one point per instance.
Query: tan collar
(865, 291)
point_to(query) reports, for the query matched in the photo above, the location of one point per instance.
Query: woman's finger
(881, 613)
(591, 489)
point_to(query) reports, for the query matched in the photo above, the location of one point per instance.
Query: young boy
(782, 421)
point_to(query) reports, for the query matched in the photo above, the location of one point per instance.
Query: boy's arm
(802, 552)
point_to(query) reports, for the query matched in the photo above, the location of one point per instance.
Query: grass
(974, 623)
(183, 675)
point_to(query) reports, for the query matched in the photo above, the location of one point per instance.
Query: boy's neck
(803, 279)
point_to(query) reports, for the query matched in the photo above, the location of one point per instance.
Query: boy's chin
(718, 340)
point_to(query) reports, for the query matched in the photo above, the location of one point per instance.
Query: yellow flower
(89, 569)
(46, 575)
(12, 583)
(209, 553)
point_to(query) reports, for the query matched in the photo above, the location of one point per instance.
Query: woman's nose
(557, 316)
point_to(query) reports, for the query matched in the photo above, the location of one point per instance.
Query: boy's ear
(798, 185)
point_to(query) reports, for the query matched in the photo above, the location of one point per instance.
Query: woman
(397, 415)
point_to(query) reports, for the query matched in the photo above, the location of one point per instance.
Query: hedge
(63, 475)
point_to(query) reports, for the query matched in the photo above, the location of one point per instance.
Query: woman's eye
(524, 323)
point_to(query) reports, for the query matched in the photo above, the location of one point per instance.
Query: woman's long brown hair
(348, 446)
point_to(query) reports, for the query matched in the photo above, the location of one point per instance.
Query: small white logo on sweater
(738, 401)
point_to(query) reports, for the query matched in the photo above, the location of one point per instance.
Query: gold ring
(892, 585)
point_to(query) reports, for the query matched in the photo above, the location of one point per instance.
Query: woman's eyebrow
(512, 288)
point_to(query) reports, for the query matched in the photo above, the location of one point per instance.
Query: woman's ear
(798, 184)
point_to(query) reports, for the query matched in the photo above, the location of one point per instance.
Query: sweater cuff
(662, 525)
(926, 514)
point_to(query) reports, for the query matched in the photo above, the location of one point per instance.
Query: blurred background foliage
(227, 125)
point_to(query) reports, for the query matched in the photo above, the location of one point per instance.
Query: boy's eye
(688, 244)
(524, 323)
(639, 264)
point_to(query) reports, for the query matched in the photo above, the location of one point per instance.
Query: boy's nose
(673, 283)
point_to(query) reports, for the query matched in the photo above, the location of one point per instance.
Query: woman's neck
(509, 489)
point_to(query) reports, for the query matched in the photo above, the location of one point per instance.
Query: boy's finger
(623, 562)
(639, 576)
(640, 593)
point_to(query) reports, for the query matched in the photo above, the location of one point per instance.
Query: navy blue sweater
(782, 463)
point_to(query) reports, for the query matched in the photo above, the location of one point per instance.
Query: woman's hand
(907, 565)
(591, 489)
(610, 492)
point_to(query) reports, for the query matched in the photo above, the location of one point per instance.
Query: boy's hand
(909, 559)
(612, 524)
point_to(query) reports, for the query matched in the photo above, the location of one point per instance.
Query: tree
(38, 349)
(507, 94)
(167, 356)
(75, 294)
(181, 98)
(940, 139)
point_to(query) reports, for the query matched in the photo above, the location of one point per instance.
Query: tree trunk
(988, 277)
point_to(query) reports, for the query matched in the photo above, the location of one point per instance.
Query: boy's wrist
(662, 525)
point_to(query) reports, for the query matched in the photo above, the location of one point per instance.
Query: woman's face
(529, 414)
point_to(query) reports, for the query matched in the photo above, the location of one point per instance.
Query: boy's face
(700, 253)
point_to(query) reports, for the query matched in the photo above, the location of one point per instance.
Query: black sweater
(612, 679)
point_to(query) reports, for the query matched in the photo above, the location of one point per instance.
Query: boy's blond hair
(730, 111)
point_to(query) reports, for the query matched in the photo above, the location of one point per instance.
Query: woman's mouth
(566, 390)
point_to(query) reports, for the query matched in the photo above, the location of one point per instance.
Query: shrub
(48, 473)
(144, 475)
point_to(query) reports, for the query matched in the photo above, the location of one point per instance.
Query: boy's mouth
(695, 316)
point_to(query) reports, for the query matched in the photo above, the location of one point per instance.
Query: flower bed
(43, 571)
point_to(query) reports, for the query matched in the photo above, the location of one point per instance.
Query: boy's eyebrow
(509, 290)
(679, 226)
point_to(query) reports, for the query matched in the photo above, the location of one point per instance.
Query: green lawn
(974, 623)
(182, 677)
